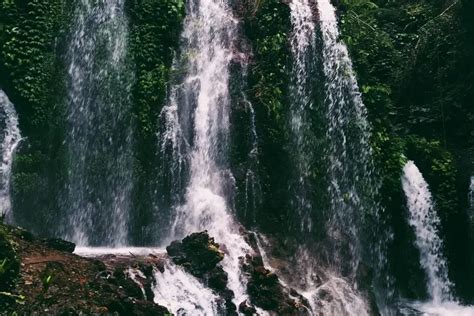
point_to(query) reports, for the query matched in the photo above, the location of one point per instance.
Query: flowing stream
(99, 134)
(10, 138)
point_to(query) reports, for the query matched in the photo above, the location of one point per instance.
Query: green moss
(414, 63)
(31, 43)
(267, 27)
(155, 27)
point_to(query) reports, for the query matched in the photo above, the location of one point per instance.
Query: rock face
(51, 280)
(200, 255)
(266, 292)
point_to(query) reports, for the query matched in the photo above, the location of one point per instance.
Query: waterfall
(99, 126)
(197, 130)
(349, 151)
(425, 222)
(351, 188)
(10, 138)
(356, 224)
(302, 43)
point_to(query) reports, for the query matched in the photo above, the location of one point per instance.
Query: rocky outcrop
(265, 291)
(200, 255)
(59, 244)
(52, 280)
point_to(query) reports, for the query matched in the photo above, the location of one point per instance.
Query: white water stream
(10, 137)
(97, 198)
(302, 45)
(197, 129)
(425, 222)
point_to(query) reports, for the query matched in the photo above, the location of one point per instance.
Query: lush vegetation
(267, 27)
(414, 62)
(155, 26)
(31, 66)
(415, 66)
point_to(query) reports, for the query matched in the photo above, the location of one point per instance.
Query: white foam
(182, 293)
(100, 251)
(443, 309)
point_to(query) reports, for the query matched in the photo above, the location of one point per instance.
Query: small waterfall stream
(302, 43)
(10, 138)
(425, 222)
(252, 182)
(349, 151)
(99, 132)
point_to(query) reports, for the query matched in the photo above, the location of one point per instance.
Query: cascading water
(302, 43)
(99, 134)
(183, 294)
(10, 138)
(252, 185)
(425, 222)
(349, 151)
(197, 127)
(348, 154)
(355, 215)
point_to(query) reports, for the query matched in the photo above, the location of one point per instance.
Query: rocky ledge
(39, 276)
(43, 276)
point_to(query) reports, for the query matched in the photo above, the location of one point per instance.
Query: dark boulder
(59, 244)
(200, 255)
(266, 292)
(246, 309)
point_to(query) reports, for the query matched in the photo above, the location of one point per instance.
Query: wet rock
(59, 244)
(54, 281)
(246, 309)
(266, 292)
(130, 288)
(200, 255)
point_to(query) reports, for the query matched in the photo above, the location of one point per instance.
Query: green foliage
(414, 65)
(47, 280)
(268, 30)
(31, 43)
(9, 263)
(267, 27)
(155, 27)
